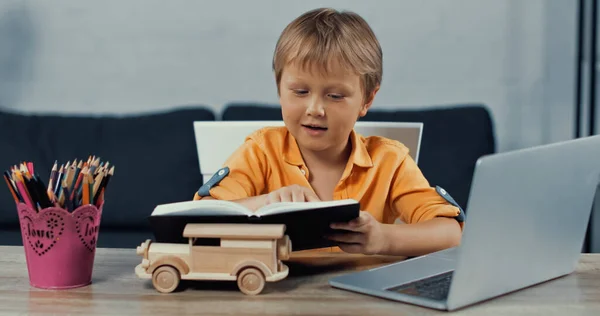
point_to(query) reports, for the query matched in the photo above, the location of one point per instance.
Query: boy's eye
(300, 91)
(336, 96)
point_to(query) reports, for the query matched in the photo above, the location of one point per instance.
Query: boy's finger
(274, 198)
(360, 221)
(349, 227)
(285, 197)
(358, 224)
(297, 196)
(310, 196)
(338, 225)
(349, 238)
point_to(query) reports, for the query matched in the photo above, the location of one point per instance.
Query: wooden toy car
(248, 253)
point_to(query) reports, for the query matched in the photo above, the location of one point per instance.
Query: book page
(202, 208)
(288, 207)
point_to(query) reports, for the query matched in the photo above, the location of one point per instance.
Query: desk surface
(116, 290)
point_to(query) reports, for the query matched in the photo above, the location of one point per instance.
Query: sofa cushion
(454, 137)
(154, 156)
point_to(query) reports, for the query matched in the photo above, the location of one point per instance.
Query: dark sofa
(454, 137)
(154, 156)
(156, 161)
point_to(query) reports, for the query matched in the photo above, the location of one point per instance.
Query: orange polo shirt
(380, 175)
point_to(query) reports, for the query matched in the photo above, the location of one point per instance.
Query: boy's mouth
(315, 127)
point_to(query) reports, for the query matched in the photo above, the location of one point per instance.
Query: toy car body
(248, 253)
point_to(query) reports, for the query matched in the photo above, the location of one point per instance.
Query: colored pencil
(69, 186)
(52, 179)
(26, 198)
(40, 187)
(98, 181)
(83, 172)
(10, 187)
(59, 177)
(77, 172)
(67, 201)
(101, 185)
(86, 190)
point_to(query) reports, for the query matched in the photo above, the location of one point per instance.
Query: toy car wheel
(251, 281)
(165, 279)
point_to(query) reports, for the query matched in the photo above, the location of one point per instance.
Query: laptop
(526, 221)
(217, 140)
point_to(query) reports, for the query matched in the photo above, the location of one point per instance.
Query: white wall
(130, 56)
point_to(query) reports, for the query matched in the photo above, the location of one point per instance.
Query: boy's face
(320, 109)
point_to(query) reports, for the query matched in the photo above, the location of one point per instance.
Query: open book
(306, 222)
(219, 207)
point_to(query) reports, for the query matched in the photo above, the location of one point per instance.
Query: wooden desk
(117, 291)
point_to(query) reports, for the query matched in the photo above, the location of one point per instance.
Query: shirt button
(443, 191)
(303, 172)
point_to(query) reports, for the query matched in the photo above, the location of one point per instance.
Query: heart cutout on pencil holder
(42, 231)
(87, 225)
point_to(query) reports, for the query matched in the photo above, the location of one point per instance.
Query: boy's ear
(368, 102)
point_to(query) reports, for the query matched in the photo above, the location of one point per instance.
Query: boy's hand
(365, 235)
(292, 193)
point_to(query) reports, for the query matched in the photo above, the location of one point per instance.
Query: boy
(328, 69)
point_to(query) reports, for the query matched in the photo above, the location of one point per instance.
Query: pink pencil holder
(60, 246)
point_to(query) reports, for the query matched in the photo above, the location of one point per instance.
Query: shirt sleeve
(414, 200)
(244, 174)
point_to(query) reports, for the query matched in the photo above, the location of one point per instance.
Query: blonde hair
(323, 36)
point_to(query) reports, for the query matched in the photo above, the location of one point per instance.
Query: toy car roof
(234, 231)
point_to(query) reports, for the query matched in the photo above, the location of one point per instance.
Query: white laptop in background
(217, 140)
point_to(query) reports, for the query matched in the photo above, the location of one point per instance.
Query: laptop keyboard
(435, 287)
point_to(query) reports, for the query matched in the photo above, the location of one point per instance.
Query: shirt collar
(359, 155)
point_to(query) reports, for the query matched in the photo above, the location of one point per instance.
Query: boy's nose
(315, 107)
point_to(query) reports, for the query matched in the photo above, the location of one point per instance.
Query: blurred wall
(121, 57)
